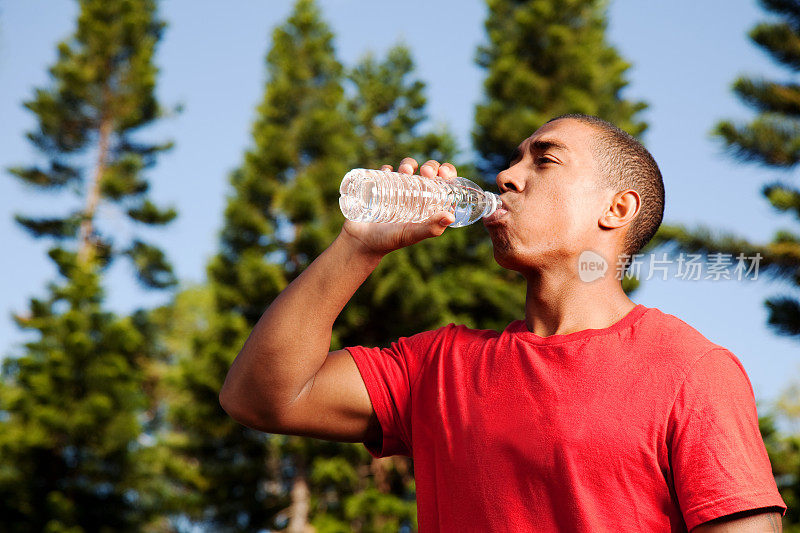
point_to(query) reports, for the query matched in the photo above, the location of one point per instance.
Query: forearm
(289, 343)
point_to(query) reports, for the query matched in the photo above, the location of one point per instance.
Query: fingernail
(445, 222)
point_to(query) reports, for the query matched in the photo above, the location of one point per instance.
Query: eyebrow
(540, 145)
(544, 144)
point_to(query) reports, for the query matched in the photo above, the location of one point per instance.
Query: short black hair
(627, 164)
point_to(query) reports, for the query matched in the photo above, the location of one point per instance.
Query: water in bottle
(381, 196)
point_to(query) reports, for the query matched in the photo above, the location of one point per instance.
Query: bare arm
(290, 342)
(284, 380)
(754, 521)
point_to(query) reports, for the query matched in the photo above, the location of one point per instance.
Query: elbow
(226, 399)
(245, 409)
(239, 410)
(233, 402)
(232, 399)
(229, 402)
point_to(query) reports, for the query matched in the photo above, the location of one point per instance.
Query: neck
(558, 304)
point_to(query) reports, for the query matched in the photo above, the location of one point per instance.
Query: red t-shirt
(642, 426)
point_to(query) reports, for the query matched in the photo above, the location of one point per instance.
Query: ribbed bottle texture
(381, 196)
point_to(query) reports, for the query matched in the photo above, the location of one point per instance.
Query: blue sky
(684, 53)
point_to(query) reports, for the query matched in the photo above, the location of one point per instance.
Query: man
(592, 414)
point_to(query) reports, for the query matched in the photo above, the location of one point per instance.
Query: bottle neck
(493, 203)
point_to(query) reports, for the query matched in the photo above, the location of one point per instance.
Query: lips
(496, 217)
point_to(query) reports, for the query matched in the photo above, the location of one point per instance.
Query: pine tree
(388, 109)
(73, 403)
(771, 139)
(276, 221)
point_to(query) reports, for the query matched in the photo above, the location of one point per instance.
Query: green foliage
(773, 136)
(228, 471)
(75, 417)
(71, 454)
(388, 108)
(545, 58)
(770, 139)
(784, 453)
(380, 513)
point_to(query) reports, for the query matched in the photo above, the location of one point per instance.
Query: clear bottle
(381, 196)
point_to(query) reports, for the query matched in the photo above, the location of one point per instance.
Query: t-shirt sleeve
(718, 459)
(389, 374)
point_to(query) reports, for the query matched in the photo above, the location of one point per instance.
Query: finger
(447, 170)
(433, 227)
(429, 168)
(446, 219)
(408, 165)
(439, 222)
(387, 168)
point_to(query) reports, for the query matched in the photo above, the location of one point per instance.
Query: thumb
(432, 227)
(438, 223)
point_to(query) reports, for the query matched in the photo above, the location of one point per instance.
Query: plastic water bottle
(381, 196)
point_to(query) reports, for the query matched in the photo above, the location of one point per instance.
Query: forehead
(573, 134)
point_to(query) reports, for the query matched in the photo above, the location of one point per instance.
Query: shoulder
(718, 372)
(674, 341)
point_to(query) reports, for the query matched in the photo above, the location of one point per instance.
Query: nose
(507, 180)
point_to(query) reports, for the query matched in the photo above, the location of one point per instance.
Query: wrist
(357, 249)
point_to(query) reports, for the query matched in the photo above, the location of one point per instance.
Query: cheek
(585, 211)
(568, 217)
(560, 210)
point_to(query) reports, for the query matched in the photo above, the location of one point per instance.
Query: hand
(382, 238)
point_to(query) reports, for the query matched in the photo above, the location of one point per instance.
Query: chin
(527, 261)
(508, 259)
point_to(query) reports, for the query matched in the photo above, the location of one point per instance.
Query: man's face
(554, 197)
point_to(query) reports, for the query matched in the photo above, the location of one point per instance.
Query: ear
(623, 207)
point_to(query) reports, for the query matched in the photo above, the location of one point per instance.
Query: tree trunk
(301, 504)
(380, 471)
(86, 245)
